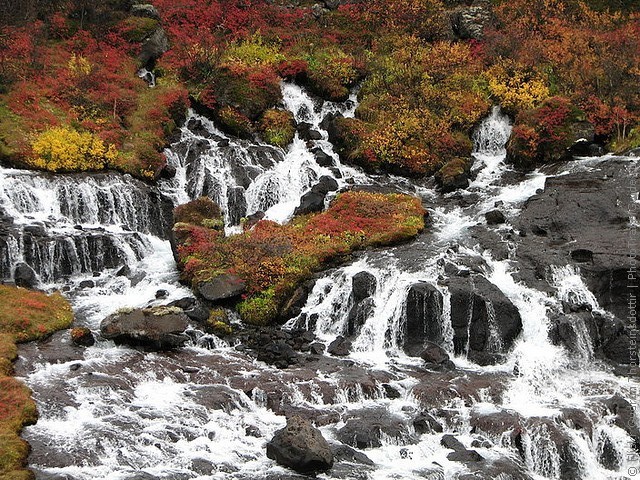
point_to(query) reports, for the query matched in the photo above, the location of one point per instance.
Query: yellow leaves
(65, 149)
(79, 66)
(515, 87)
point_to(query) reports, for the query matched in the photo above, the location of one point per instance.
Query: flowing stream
(535, 409)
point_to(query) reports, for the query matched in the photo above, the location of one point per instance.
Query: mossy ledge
(270, 260)
(25, 315)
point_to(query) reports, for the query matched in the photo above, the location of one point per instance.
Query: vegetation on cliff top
(24, 315)
(272, 259)
(70, 78)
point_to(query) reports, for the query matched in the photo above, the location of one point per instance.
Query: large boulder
(25, 276)
(221, 287)
(153, 47)
(454, 174)
(159, 328)
(422, 318)
(483, 318)
(301, 447)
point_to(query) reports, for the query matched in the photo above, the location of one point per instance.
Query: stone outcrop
(159, 328)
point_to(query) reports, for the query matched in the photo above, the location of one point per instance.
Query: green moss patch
(24, 315)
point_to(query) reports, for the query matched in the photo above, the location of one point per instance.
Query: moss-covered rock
(270, 261)
(454, 174)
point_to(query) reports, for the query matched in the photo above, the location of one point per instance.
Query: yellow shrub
(79, 65)
(516, 88)
(63, 149)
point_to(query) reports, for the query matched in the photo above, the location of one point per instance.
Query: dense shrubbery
(278, 127)
(423, 89)
(24, 315)
(273, 259)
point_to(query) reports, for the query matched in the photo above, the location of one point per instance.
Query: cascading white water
(166, 416)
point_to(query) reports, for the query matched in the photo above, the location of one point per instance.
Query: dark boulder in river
(301, 447)
(159, 328)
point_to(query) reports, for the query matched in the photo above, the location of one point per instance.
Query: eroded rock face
(301, 447)
(483, 319)
(423, 313)
(159, 328)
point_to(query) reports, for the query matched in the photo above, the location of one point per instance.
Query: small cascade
(492, 135)
(72, 225)
(243, 177)
(381, 321)
(571, 287)
(95, 200)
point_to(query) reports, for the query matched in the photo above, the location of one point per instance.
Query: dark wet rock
(293, 306)
(340, 347)
(575, 214)
(168, 172)
(426, 423)
(624, 417)
(25, 276)
(217, 397)
(345, 453)
(157, 327)
(454, 174)
(307, 133)
(483, 318)
(325, 185)
(203, 467)
(253, 219)
(582, 255)
(193, 308)
(363, 285)
(323, 159)
(161, 294)
(434, 354)
(465, 456)
(300, 447)
(568, 330)
(221, 287)
(316, 348)
(310, 202)
(390, 391)
(422, 324)
(452, 443)
(359, 314)
(87, 284)
(607, 454)
(494, 217)
(253, 431)
(314, 135)
(365, 428)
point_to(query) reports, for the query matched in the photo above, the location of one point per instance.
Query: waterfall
(492, 135)
(243, 177)
(121, 413)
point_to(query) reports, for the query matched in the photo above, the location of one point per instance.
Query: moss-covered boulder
(268, 262)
